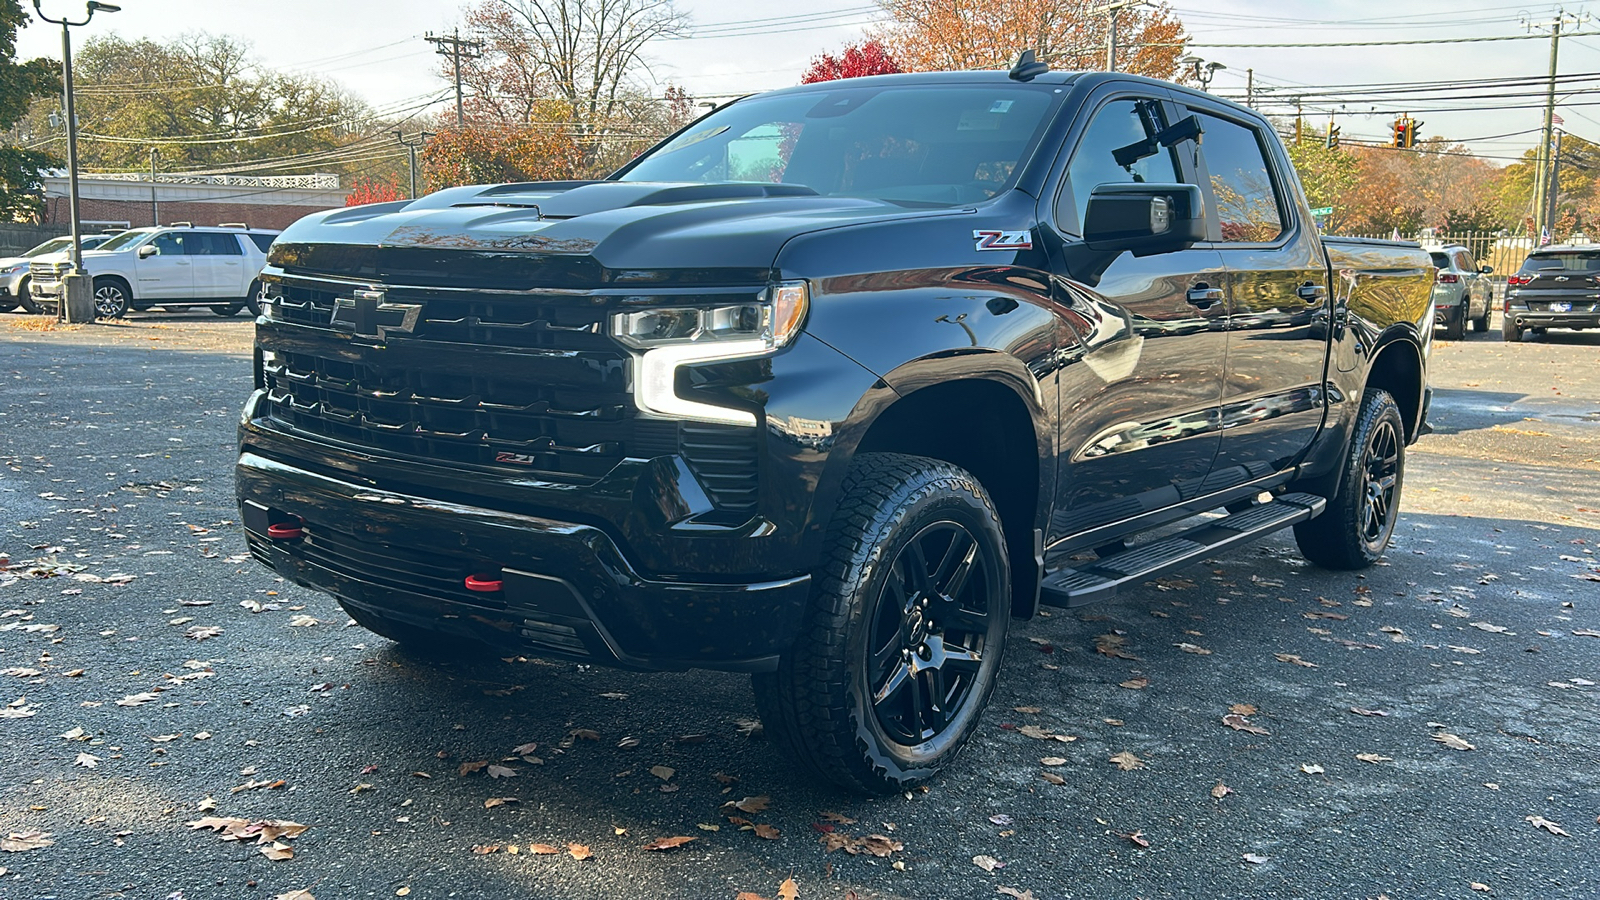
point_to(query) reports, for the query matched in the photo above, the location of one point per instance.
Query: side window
(1247, 204)
(1117, 125)
(170, 244)
(219, 244)
(1464, 262)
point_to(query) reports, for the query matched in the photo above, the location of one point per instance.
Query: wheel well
(128, 289)
(1398, 370)
(983, 427)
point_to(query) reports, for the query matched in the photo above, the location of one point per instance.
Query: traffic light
(1401, 129)
(1411, 132)
(1333, 136)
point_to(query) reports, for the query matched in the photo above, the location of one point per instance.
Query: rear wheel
(1455, 323)
(904, 631)
(1354, 530)
(1509, 332)
(110, 298)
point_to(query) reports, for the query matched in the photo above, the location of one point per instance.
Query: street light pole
(155, 209)
(73, 287)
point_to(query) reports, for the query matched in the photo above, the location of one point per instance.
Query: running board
(1100, 579)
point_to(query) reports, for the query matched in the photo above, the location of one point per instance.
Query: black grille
(525, 381)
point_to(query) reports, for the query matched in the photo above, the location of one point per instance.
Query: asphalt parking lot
(1425, 729)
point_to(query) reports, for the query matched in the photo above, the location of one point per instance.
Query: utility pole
(1554, 191)
(155, 217)
(1541, 181)
(1250, 88)
(456, 49)
(1110, 10)
(417, 140)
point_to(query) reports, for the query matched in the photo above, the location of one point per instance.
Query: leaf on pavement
(1586, 632)
(987, 863)
(502, 772)
(765, 831)
(492, 802)
(1053, 761)
(1492, 629)
(1196, 649)
(1311, 769)
(1254, 859)
(1293, 658)
(1240, 723)
(543, 849)
(579, 852)
(1220, 791)
(467, 768)
(1242, 709)
(203, 632)
(668, 843)
(1368, 712)
(20, 841)
(1052, 778)
(1127, 762)
(1374, 758)
(137, 699)
(295, 895)
(664, 773)
(837, 819)
(303, 621)
(788, 890)
(1480, 886)
(1014, 893)
(1546, 824)
(1111, 645)
(524, 749)
(87, 760)
(277, 850)
(1136, 684)
(1453, 742)
(749, 804)
(1137, 838)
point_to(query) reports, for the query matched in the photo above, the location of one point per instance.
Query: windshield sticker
(1001, 106)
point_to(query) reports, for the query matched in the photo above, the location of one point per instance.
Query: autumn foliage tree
(365, 191)
(543, 149)
(855, 61)
(934, 35)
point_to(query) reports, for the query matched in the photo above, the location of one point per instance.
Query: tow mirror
(1144, 219)
(148, 250)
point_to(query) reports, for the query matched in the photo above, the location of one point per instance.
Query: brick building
(125, 199)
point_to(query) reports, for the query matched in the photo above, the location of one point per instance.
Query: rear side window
(211, 243)
(262, 240)
(1247, 203)
(1567, 262)
(1117, 125)
(1464, 262)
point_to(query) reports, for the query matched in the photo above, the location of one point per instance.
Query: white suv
(173, 266)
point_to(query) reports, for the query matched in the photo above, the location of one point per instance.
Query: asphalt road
(115, 473)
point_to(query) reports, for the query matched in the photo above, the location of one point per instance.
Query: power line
(1323, 44)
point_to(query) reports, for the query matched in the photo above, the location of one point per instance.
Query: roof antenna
(1027, 68)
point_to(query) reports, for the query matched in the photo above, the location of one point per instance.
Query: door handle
(1203, 295)
(1312, 293)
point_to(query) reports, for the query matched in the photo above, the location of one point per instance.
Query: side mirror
(1486, 270)
(1145, 219)
(148, 250)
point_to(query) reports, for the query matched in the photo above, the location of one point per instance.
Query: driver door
(169, 274)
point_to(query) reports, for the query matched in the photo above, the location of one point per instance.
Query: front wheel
(253, 298)
(110, 298)
(904, 631)
(1354, 530)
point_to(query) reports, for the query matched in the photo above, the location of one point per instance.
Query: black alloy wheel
(903, 634)
(110, 299)
(928, 632)
(1354, 530)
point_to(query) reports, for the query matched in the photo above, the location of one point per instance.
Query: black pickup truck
(831, 387)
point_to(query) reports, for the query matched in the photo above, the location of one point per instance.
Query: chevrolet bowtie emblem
(368, 315)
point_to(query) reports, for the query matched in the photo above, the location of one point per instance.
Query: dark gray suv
(1557, 287)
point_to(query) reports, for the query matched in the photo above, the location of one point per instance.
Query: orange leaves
(267, 833)
(873, 844)
(483, 154)
(668, 843)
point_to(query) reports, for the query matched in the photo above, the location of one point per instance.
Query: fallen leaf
(1492, 629)
(585, 734)
(1254, 859)
(1546, 824)
(766, 831)
(1000, 819)
(1374, 758)
(203, 632)
(987, 863)
(1137, 838)
(524, 749)
(750, 804)
(76, 734)
(1220, 791)
(837, 819)
(543, 849)
(1053, 761)
(579, 852)
(20, 841)
(1136, 684)
(1368, 712)
(1311, 768)
(486, 849)
(467, 768)
(87, 760)
(788, 890)
(1453, 742)
(277, 850)
(664, 773)
(492, 802)
(137, 699)
(1480, 886)
(1586, 632)
(1111, 645)
(1127, 762)
(1014, 893)
(1293, 658)
(668, 843)
(1193, 648)
(1240, 723)
(496, 771)
(303, 621)
(295, 895)
(1027, 710)
(1053, 778)
(1242, 709)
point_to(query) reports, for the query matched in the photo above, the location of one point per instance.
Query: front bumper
(568, 588)
(49, 290)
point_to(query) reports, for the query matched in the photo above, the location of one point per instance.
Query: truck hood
(619, 225)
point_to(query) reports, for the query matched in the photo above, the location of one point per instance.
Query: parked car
(173, 267)
(1460, 292)
(15, 272)
(1557, 287)
(830, 387)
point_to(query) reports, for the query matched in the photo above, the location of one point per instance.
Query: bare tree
(587, 53)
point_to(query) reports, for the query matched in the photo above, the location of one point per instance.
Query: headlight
(675, 336)
(12, 270)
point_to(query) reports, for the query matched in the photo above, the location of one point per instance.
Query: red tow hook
(287, 531)
(483, 583)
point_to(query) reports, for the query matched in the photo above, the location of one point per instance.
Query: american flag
(1556, 119)
(1544, 238)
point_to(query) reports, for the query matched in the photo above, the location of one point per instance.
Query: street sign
(1322, 211)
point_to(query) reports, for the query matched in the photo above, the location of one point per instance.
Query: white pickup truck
(173, 266)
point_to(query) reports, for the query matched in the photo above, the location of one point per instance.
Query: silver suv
(1460, 292)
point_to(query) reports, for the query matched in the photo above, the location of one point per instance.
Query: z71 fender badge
(1003, 240)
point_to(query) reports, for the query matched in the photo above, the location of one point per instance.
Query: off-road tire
(819, 706)
(1345, 537)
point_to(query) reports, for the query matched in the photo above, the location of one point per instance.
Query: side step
(1101, 579)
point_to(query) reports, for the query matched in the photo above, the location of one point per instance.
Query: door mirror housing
(148, 250)
(1144, 219)
(1486, 270)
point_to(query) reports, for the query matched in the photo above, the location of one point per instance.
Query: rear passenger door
(218, 265)
(1273, 393)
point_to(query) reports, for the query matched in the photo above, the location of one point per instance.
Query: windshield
(124, 239)
(937, 144)
(51, 246)
(1568, 262)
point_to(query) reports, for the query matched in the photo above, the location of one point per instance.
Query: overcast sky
(375, 48)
